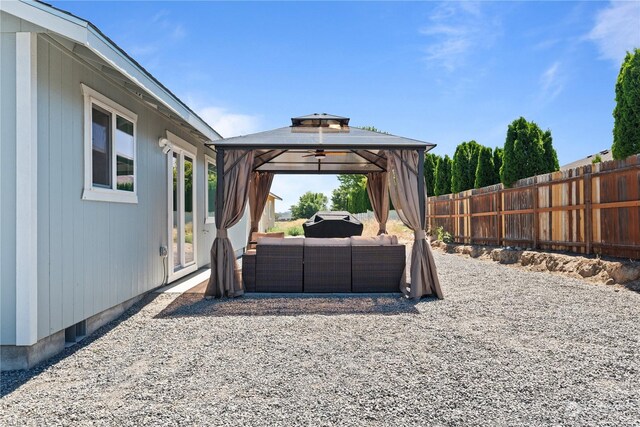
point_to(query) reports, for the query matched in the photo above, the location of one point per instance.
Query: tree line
(527, 151)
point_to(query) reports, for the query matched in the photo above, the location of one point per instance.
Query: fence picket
(573, 215)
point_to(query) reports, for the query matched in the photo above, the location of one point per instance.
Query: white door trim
(181, 148)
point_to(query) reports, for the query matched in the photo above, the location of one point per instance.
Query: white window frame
(101, 194)
(208, 219)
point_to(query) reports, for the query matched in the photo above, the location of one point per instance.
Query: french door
(182, 211)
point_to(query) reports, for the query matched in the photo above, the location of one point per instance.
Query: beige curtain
(258, 195)
(223, 281)
(378, 191)
(403, 188)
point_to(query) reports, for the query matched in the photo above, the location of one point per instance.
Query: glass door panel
(175, 217)
(182, 223)
(188, 210)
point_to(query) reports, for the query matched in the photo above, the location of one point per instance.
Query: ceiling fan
(321, 154)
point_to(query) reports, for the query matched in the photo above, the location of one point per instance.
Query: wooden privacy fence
(589, 209)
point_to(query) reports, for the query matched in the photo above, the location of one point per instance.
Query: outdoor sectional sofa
(355, 264)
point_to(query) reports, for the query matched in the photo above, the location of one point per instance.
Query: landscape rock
(593, 268)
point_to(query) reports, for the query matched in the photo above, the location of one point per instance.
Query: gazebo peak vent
(320, 120)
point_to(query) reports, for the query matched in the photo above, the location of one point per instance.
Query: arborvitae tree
(443, 176)
(626, 115)
(465, 163)
(460, 169)
(430, 161)
(523, 152)
(485, 174)
(497, 163)
(473, 149)
(550, 157)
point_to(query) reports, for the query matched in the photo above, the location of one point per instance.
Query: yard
(506, 347)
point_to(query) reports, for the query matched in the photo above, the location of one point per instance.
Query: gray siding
(7, 187)
(95, 255)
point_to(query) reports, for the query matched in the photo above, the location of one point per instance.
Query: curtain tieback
(221, 233)
(420, 234)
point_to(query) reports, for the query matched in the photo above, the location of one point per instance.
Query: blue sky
(439, 72)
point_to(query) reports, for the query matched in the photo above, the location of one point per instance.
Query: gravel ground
(506, 347)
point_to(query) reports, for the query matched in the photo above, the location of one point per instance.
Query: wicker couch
(355, 264)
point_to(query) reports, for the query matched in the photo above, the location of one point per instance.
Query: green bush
(295, 231)
(596, 159)
(443, 235)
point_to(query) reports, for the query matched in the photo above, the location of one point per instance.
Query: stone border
(594, 269)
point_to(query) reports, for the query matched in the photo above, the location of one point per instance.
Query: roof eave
(84, 33)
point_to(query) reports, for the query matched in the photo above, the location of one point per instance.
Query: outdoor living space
(505, 347)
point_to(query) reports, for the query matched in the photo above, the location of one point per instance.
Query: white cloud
(552, 81)
(617, 29)
(456, 29)
(227, 123)
(146, 40)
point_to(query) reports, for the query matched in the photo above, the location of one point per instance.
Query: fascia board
(80, 32)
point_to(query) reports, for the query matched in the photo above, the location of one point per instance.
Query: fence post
(451, 221)
(470, 216)
(536, 219)
(499, 217)
(588, 228)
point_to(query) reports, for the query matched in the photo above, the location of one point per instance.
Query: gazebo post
(219, 184)
(421, 199)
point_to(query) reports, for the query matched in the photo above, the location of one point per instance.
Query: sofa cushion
(255, 235)
(381, 240)
(276, 241)
(318, 241)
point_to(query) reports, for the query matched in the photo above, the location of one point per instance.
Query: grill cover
(332, 224)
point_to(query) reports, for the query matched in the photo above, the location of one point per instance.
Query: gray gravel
(506, 347)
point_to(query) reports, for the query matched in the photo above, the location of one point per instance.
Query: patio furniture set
(353, 264)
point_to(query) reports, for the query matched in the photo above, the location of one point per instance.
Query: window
(110, 150)
(211, 186)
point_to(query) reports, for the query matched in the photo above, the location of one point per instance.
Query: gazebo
(321, 144)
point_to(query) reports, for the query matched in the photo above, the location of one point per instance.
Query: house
(268, 219)
(107, 183)
(605, 156)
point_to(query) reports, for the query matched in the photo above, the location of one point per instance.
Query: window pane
(188, 210)
(212, 182)
(124, 153)
(101, 147)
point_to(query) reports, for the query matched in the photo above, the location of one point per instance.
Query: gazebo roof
(321, 143)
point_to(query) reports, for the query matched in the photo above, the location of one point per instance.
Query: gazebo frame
(319, 135)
